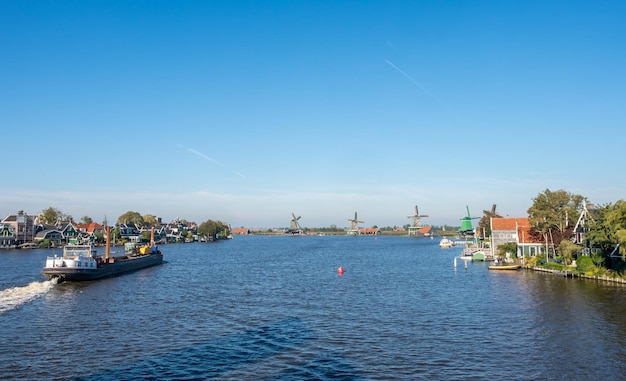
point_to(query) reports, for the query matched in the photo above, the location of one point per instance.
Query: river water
(276, 308)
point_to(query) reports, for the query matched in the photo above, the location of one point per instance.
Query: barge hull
(120, 266)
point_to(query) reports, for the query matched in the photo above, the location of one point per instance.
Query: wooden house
(516, 230)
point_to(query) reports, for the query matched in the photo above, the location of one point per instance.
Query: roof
(425, 229)
(89, 228)
(369, 230)
(508, 223)
(525, 236)
(10, 218)
(520, 225)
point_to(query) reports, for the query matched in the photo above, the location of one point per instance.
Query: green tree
(585, 265)
(510, 247)
(52, 216)
(551, 213)
(145, 236)
(86, 220)
(131, 217)
(45, 244)
(569, 250)
(116, 234)
(150, 220)
(617, 219)
(213, 229)
(605, 231)
(600, 233)
(100, 238)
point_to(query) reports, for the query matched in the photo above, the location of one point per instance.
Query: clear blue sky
(248, 111)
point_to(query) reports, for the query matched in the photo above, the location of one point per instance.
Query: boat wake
(12, 298)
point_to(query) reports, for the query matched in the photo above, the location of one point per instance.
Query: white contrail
(206, 157)
(414, 82)
(424, 89)
(211, 160)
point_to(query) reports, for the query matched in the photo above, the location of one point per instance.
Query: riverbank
(573, 274)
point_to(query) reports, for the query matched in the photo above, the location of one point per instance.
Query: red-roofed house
(517, 230)
(370, 231)
(241, 231)
(91, 228)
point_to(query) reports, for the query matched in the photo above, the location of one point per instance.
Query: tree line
(208, 229)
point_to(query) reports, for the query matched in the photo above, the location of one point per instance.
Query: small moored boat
(505, 267)
(446, 243)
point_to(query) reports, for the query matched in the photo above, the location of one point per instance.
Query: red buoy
(340, 270)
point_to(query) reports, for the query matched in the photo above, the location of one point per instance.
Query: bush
(584, 265)
(531, 261)
(554, 266)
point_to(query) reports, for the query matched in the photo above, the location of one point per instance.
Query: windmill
(417, 222)
(484, 225)
(467, 229)
(354, 227)
(294, 228)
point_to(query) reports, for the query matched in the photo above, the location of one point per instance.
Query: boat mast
(107, 251)
(152, 237)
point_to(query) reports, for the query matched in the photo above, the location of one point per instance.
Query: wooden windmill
(484, 225)
(467, 228)
(417, 222)
(294, 227)
(354, 225)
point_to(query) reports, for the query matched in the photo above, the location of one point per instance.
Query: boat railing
(76, 251)
(54, 261)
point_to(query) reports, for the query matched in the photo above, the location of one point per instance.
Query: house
(589, 210)
(515, 230)
(89, 232)
(23, 227)
(241, 231)
(91, 228)
(52, 234)
(129, 232)
(70, 233)
(369, 231)
(180, 230)
(7, 236)
(160, 234)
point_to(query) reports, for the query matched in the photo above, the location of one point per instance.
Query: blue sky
(249, 111)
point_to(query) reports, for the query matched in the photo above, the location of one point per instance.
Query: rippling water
(275, 308)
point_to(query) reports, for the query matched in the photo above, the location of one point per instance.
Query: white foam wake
(12, 298)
